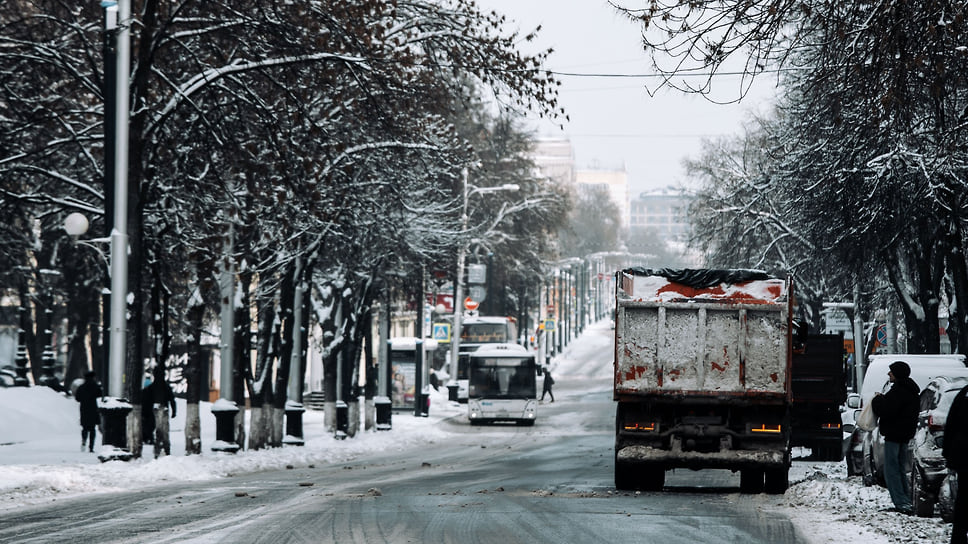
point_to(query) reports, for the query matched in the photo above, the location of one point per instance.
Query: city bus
(502, 385)
(478, 331)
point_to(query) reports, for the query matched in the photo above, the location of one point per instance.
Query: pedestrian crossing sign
(442, 332)
(549, 324)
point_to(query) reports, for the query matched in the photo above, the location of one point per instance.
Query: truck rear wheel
(652, 478)
(624, 476)
(751, 480)
(633, 476)
(777, 480)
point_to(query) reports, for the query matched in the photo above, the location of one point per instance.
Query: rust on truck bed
(728, 326)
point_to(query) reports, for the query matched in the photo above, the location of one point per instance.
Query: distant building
(662, 211)
(617, 184)
(555, 158)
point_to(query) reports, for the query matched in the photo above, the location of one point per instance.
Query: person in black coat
(87, 395)
(897, 411)
(955, 451)
(546, 385)
(154, 392)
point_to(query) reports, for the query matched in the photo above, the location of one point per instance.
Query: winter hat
(900, 369)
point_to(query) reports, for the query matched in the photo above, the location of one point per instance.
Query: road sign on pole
(470, 303)
(442, 332)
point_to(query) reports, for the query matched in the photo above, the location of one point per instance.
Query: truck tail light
(642, 426)
(765, 429)
(830, 426)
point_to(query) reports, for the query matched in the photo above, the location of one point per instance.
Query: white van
(923, 368)
(865, 455)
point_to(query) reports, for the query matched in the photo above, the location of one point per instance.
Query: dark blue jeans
(897, 457)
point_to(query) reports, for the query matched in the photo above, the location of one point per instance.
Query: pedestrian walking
(156, 399)
(897, 411)
(546, 386)
(955, 451)
(87, 395)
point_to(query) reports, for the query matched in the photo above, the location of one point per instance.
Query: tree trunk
(372, 371)
(284, 339)
(196, 323)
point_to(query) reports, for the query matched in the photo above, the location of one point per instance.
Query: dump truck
(702, 376)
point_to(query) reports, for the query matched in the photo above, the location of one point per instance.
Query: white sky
(614, 121)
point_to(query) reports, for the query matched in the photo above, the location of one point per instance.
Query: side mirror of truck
(853, 400)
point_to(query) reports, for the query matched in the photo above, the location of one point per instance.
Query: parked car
(865, 452)
(7, 376)
(928, 466)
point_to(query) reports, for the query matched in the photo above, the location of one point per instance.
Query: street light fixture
(461, 256)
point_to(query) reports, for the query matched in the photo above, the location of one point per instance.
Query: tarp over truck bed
(702, 333)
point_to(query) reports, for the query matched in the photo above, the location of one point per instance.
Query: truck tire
(652, 478)
(777, 480)
(751, 480)
(624, 476)
(638, 477)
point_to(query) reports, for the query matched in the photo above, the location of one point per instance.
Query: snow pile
(41, 456)
(827, 505)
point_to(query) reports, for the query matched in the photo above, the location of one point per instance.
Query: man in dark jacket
(156, 398)
(87, 395)
(897, 411)
(955, 451)
(546, 385)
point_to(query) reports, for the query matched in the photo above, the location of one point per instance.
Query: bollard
(423, 403)
(452, 389)
(294, 430)
(384, 413)
(224, 411)
(342, 419)
(114, 429)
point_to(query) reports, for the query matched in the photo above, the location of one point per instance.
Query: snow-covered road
(41, 461)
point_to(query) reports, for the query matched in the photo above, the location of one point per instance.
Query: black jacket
(955, 448)
(898, 410)
(87, 394)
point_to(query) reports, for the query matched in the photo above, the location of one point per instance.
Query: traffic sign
(882, 335)
(442, 332)
(470, 303)
(549, 324)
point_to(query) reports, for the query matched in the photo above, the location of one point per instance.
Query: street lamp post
(461, 256)
(114, 409)
(48, 361)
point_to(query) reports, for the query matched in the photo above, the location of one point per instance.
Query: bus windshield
(485, 333)
(502, 377)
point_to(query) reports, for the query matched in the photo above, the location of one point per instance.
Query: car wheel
(946, 497)
(921, 498)
(867, 468)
